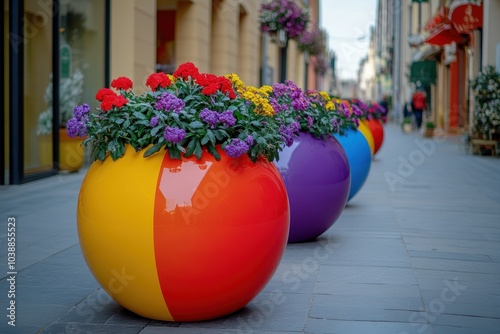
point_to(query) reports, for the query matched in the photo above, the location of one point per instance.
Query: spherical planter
(377, 131)
(317, 179)
(359, 157)
(182, 240)
(365, 130)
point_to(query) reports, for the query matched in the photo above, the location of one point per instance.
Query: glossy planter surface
(377, 131)
(182, 240)
(359, 157)
(365, 130)
(317, 178)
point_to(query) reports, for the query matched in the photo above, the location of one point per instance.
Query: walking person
(418, 105)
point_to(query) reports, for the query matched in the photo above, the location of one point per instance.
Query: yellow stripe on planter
(368, 135)
(128, 275)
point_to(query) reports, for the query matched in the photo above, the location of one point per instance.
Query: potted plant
(429, 129)
(374, 115)
(183, 197)
(312, 42)
(407, 125)
(315, 168)
(71, 153)
(486, 88)
(285, 15)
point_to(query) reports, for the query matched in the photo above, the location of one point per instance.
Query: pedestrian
(418, 105)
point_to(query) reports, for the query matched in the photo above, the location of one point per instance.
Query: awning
(428, 53)
(441, 17)
(446, 34)
(466, 16)
(423, 72)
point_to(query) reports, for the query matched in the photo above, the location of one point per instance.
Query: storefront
(54, 54)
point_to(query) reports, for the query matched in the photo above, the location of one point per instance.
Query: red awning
(440, 18)
(466, 16)
(445, 34)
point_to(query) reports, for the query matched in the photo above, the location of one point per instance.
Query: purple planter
(317, 178)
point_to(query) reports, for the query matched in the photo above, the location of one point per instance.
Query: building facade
(441, 46)
(46, 42)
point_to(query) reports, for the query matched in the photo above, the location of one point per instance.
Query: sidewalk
(417, 250)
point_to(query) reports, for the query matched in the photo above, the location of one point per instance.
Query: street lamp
(283, 44)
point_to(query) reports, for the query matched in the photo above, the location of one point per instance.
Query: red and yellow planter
(365, 130)
(182, 240)
(377, 130)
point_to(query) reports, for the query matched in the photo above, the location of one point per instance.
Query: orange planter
(182, 240)
(377, 131)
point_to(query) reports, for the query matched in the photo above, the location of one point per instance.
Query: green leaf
(174, 153)
(198, 151)
(213, 151)
(155, 130)
(196, 125)
(153, 149)
(139, 115)
(119, 121)
(205, 140)
(211, 137)
(191, 147)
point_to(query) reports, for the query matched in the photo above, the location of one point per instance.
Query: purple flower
(300, 102)
(345, 109)
(356, 110)
(81, 112)
(154, 121)
(74, 128)
(227, 118)
(288, 132)
(310, 121)
(210, 117)
(249, 140)
(169, 102)
(174, 135)
(355, 121)
(236, 148)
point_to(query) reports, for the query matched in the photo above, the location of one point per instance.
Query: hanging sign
(466, 17)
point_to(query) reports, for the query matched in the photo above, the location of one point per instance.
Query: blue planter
(359, 157)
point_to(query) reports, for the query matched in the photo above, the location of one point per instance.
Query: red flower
(212, 83)
(187, 70)
(103, 92)
(122, 83)
(156, 80)
(111, 101)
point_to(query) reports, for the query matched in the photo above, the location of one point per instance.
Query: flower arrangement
(312, 42)
(183, 113)
(70, 92)
(486, 88)
(312, 112)
(283, 14)
(370, 111)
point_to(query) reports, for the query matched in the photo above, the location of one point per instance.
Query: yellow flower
(325, 95)
(259, 98)
(266, 90)
(330, 105)
(237, 82)
(171, 77)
